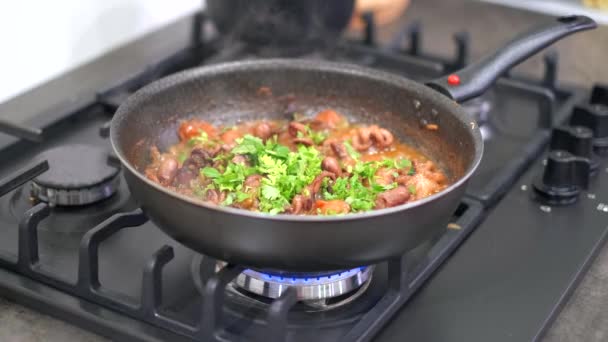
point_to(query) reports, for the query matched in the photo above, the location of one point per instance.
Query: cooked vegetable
(318, 166)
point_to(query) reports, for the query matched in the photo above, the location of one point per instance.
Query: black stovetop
(501, 270)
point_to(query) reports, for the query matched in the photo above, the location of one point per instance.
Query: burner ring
(77, 175)
(75, 197)
(308, 287)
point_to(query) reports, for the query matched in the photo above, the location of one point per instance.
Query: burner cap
(309, 286)
(77, 175)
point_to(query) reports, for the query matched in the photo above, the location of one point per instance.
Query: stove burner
(77, 175)
(309, 286)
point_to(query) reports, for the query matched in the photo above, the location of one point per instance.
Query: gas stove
(74, 244)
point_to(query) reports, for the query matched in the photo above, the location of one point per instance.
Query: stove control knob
(564, 177)
(578, 140)
(594, 117)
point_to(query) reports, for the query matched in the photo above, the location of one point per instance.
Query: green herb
(210, 172)
(270, 192)
(279, 151)
(360, 189)
(318, 137)
(351, 150)
(229, 199)
(202, 138)
(248, 145)
(227, 128)
(232, 179)
(182, 156)
(331, 212)
(403, 163)
(241, 196)
(388, 162)
(412, 189)
(285, 173)
(286, 177)
(222, 157)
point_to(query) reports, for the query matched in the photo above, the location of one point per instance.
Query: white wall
(556, 8)
(42, 39)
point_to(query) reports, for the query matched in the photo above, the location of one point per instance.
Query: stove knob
(564, 177)
(599, 95)
(595, 117)
(577, 140)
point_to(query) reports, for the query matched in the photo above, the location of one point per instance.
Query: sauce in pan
(317, 166)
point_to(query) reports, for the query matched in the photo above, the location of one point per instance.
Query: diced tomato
(192, 128)
(330, 118)
(331, 207)
(230, 136)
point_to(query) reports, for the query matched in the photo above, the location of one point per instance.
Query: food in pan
(309, 166)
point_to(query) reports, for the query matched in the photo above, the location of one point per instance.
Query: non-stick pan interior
(274, 89)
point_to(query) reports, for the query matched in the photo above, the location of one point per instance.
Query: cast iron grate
(404, 278)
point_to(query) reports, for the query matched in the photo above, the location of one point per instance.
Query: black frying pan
(227, 93)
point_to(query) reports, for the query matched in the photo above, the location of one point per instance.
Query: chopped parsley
(318, 137)
(412, 189)
(210, 172)
(241, 196)
(202, 138)
(353, 190)
(286, 173)
(403, 163)
(182, 156)
(351, 150)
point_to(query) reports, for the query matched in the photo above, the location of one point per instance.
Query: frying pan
(228, 93)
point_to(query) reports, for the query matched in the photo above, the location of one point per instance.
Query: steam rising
(294, 26)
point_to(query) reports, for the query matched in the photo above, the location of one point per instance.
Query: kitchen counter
(582, 57)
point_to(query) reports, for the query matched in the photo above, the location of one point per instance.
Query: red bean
(300, 204)
(295, 127)
(184, 176)
(315, 186)
(385, 176)
(331, 164)
(392, 198)
(263, 130)
(167, 170)
(253, 181)
(240, 159)
(339, 149)
(303, 141)
(215, 196)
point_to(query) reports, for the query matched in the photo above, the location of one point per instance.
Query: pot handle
(477, 77)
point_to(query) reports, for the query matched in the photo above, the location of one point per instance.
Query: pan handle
(476, 78)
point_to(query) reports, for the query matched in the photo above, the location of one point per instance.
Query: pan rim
(187, 75)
